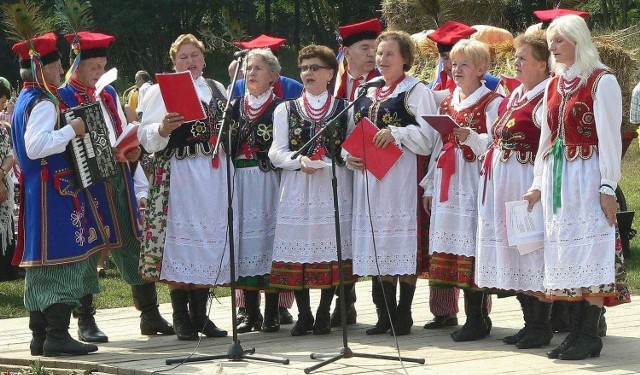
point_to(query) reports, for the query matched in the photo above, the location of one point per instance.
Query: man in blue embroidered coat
(61, 226)
(130, 186)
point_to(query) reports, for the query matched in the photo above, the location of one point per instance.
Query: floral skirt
(298, 276)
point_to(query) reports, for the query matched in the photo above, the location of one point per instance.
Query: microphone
(375, 82)
(241, 53)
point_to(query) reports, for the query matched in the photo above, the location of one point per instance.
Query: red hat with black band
(90, 44)
(353, 33)
(449, 34)
(44, 45)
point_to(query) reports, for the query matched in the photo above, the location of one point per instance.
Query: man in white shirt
(129, 188)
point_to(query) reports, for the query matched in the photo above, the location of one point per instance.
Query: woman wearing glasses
(399, 224)
(304, 251)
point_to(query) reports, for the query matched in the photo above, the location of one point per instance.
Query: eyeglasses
(312, 67)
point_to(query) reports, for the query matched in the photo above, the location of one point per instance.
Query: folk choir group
(439, 211)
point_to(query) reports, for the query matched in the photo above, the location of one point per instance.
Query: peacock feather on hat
(71, 17)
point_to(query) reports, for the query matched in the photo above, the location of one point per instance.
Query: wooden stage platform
(129, 353)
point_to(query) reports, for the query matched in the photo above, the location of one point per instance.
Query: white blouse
(607, 110)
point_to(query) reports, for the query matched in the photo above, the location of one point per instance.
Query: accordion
(91, 154)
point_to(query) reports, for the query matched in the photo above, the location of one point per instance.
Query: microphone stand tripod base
(235, 353)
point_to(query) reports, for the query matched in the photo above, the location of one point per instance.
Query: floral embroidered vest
(252, 139)
(393, 111)
(198, 137)
(516, 131)
(473, 117)
(302, 129)
(571, 118)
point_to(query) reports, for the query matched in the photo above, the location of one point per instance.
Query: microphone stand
(345, 351)
(235, 352)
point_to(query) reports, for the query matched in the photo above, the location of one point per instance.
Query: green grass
(631, 186)
(114, 292)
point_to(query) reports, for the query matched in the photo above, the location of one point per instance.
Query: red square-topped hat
(90, 44)
(549, 15)
(44, 45)
(355, 32)
(262, 41)
(449, 34)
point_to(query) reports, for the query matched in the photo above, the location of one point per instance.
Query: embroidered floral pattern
(156, 221)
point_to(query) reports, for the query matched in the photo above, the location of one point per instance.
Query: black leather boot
(252, 317)
(525, 304)
(475, 327)
(386, 309)
(540, 332)
(38, 327)
(349, 302)
(145, 300)
(58, 341)
(285, 315)
(88, 330)
(305, 317)
(198, 303)
(574, 310)
(322, 325)
(271, 321)
(560, 321)
(181, 320)
(602, 324)
(404, 321)
(589, 343)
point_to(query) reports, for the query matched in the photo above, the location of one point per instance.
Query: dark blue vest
(61, 222)
(70, 99)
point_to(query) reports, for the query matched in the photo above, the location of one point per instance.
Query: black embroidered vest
(195, 137)
(252, 139)
(302, 129)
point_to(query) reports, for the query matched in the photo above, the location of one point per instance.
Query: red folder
(179, 94)
(360, 144)
(444, 124)
(127, 141)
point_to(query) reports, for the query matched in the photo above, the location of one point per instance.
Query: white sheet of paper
(524, 227)
(530, 247)
(105, 80)
(316, 164)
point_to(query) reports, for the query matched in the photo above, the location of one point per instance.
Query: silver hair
(26, 74)
(267, 56)
(574, 29)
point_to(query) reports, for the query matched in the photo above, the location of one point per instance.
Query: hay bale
(624, 65)
(491, 35)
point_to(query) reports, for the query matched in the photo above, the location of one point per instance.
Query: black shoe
(271, 322)
(386, 311)
(285, 315)
(322, 325)
(38, 327)
(441, 321)
(404, 321)
(476, 326)
(200, 321)
(574, 318)
(589, 343)
(58, 341)
(540, 332)
(526, 303)
(145, 300)
(304, 324)
(181, 320)
(253, 319)
(88, 330)
(241, 315)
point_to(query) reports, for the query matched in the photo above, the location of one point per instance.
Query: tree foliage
(145, 29)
